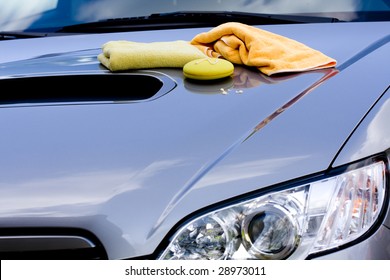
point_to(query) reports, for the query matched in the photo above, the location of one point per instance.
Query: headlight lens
(293, 223)
(271, 229)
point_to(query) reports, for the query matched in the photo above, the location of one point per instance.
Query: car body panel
(370, 137)
(129, 172)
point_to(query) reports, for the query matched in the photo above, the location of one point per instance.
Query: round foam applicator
(208, 69)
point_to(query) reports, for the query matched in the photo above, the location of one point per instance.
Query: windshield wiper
(10, 35)
(184, 19)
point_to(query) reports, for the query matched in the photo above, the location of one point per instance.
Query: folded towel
(125, 55)
(251, 46)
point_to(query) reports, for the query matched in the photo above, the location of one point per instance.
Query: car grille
(53, 244)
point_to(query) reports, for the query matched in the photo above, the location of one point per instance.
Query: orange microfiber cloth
(270, 53)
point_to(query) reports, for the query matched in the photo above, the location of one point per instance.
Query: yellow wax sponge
(208, 69)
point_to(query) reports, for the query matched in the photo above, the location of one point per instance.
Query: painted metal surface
(128, 172)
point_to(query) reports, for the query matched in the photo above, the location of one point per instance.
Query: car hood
(129, 170)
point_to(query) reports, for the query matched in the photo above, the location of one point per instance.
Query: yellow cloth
(251, 46)
(126, 55)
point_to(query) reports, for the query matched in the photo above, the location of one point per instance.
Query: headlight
(292, 223)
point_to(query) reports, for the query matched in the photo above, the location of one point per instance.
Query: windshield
(46, 15)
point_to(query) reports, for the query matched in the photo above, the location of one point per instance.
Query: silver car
(147, 163)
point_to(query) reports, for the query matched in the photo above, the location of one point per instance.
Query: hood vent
(84, 88)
